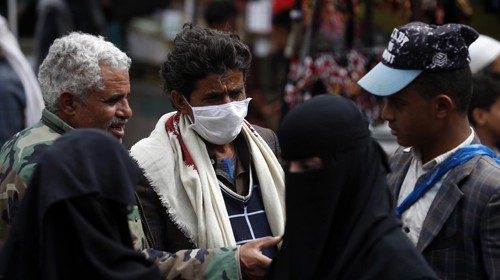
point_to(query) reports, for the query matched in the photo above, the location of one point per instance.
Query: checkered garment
(248, 217)
(460, 236)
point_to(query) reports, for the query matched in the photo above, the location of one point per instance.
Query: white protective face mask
(220, 124)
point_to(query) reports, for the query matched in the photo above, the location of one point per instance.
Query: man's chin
(403, 142)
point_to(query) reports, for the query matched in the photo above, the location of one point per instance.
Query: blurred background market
(301, 48)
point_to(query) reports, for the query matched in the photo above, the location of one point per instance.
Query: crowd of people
(209, 195)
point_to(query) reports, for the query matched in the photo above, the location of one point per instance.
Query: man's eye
(113, 101)
(212, 97)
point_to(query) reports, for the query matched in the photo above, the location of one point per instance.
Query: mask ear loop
(185, 100)
(189, 117)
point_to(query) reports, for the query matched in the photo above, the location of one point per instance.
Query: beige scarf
(176, 162)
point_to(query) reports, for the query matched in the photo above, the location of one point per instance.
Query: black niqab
(72, 223)
(340, 219)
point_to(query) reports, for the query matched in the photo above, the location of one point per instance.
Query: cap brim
(383, 80)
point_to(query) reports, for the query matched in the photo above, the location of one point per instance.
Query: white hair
(73, 64)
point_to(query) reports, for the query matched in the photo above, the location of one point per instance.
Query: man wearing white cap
(445, 184)
(485, 55)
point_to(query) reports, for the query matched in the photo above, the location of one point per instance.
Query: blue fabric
(383, 80)
(12, 102)
(459, 157)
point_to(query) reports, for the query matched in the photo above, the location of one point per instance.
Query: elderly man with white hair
(85, 84)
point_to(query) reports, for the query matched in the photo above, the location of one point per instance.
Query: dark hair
(198, 52)
(219, 11)
(456, 83)
(486, 92)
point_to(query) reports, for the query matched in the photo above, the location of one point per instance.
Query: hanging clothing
(341, 223)
(72, 222)
(22, 68)
(12, 102)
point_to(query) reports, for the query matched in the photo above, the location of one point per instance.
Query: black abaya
(340, 219)
(72, 223)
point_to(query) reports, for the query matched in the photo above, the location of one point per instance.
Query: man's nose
(387, 113)
(125, 111)
(226, 99)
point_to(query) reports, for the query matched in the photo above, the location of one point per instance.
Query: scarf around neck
(176, 163)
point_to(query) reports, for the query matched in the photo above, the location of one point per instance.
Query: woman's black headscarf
(72, 223)
(340, 219)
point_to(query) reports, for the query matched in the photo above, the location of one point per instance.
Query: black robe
(72, 222)
(341, 222)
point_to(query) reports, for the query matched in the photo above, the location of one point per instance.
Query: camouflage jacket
(18, 159)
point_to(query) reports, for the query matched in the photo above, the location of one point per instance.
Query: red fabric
(171, 126)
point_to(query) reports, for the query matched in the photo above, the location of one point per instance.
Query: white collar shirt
(413, 218)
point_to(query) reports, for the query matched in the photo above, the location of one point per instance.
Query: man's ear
(444, 105)
(179, 102)
(479, 116)
(67, 104)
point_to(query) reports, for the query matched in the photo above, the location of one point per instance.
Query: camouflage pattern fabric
(139, 241)
(18, 159)
(199, 264)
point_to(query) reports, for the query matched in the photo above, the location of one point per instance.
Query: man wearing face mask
(211, 179)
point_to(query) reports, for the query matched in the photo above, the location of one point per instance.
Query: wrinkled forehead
(229, 80)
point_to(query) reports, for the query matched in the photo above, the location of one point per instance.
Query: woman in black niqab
(341, 223)
(72, 222)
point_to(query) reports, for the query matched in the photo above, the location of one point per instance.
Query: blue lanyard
(457, 158)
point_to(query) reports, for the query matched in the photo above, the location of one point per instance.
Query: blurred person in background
(485, 55)
(56, 18)
(12, 101)
(484, 109)
(21, 101)
(268, 75)
(59, 17)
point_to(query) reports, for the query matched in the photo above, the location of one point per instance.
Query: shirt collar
(442, 157)
(54, 122)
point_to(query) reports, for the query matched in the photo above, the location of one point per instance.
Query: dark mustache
(118, 122)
